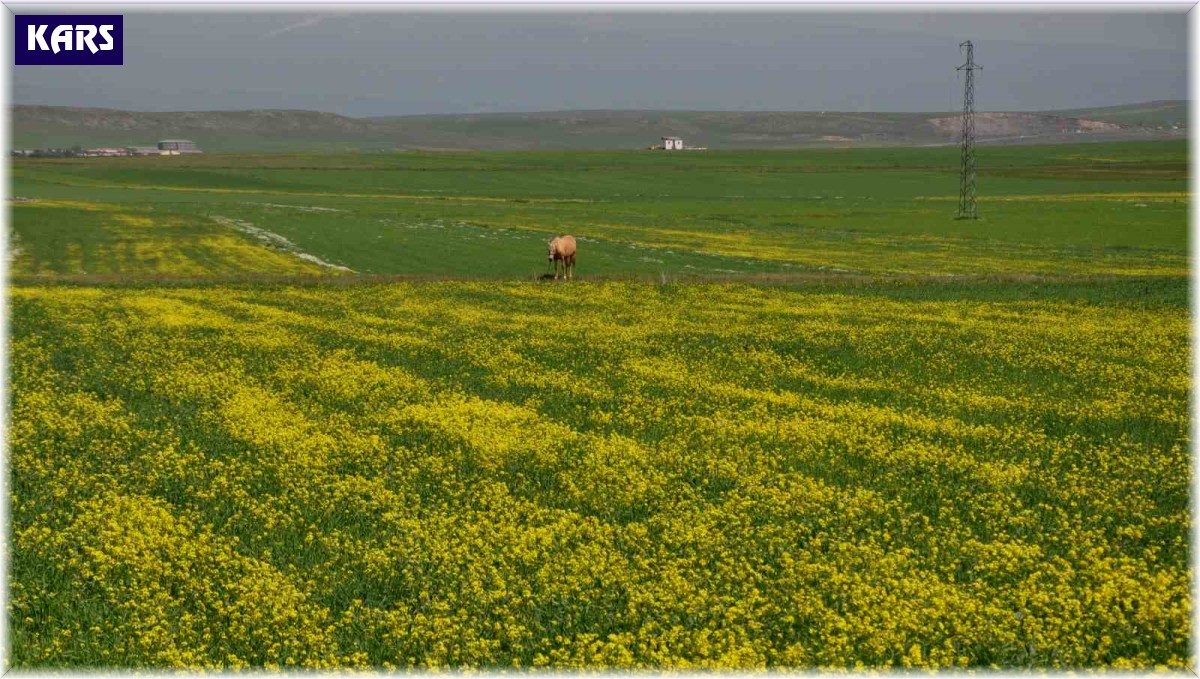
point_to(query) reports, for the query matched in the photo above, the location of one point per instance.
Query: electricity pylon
(966, 180)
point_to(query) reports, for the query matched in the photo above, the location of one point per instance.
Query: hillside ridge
(37, 126)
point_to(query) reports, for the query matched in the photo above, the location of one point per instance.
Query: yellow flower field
(597, 475)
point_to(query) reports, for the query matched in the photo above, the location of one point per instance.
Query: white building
(672, 144)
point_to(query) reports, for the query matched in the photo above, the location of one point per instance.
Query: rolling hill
(279, 130)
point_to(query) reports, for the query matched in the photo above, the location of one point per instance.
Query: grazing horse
(562, 248)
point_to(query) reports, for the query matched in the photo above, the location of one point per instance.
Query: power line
(966, 179)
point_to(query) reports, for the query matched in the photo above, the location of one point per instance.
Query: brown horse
(562, 249)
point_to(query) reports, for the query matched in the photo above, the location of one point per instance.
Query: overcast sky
(398, 62)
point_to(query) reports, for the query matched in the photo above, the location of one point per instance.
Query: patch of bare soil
(1020, 124)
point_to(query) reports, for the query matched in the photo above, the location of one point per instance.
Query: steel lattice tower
(966, 181)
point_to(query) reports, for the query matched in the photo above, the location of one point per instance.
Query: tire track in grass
(276, 242)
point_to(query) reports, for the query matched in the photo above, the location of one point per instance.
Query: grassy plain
(923, 443)
(1085, 209)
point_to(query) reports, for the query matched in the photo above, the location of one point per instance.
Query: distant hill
(61, 126)
(280, 130)
(1163, 114)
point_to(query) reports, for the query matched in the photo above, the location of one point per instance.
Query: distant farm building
(166, 147)
(672, 144)
(176, 146)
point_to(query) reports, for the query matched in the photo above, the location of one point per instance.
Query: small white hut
(672, 144)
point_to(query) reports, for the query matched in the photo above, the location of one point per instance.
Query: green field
(1089, 209)
(312, 411)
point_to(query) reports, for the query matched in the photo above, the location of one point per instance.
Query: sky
(402, 61)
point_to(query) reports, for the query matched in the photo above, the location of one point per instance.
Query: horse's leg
(572, 267)
(555, 268)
